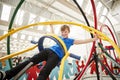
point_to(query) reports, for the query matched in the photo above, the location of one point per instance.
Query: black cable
(83, 15)
(92, 59)
(111, 75)
(107, 55)
(96, 65)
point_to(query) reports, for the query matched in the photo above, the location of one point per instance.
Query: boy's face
(65, 33)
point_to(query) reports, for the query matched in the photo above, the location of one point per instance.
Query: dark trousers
(46, 55)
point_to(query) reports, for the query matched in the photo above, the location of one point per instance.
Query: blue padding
(33, 42)
(74, 56)
(40, 43)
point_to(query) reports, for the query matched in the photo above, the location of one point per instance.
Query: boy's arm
(52, 30)
(86, 40)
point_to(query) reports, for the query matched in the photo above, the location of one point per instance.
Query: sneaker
(2, 75)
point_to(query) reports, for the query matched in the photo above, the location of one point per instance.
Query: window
(36, 38)
(40, 28)
(102, 19)
(80, 2)
(98, 8)
(19, 17)
(88, 8)
(29, 37)
(31, 19)
(5, 12)
(22, 36)
(112, 19)
(57, 29)
(48, 28)
(104, 11)
(41, 19)
(5, 32)
(15, 35)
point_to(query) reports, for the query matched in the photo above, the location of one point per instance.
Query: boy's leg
(51, 62)
(35, 59)
(12, 72)
(2, 75)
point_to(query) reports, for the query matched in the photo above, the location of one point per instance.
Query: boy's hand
(96, 37)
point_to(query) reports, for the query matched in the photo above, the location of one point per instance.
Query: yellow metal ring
(89, 29)
(31, 48)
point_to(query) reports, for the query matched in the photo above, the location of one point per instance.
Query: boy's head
(64, 27)
(65, 30)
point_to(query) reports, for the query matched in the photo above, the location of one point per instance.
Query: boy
(52, 56)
